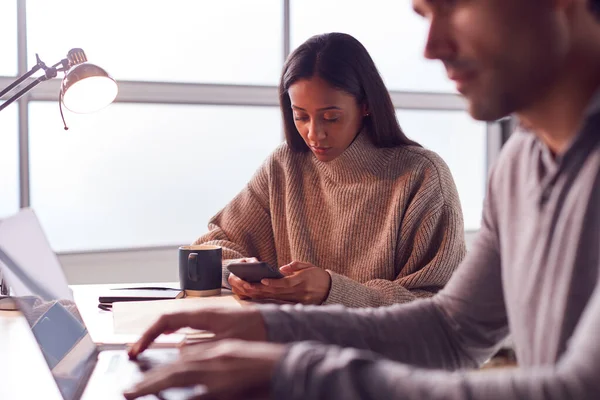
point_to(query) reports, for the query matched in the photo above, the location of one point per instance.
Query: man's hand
(225, 323)
(227, 369)
(303, 283)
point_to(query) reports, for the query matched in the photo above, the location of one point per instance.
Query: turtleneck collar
(361, 159)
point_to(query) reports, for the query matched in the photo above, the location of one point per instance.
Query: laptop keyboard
(126, 373)
(145, 362)
(152, 360)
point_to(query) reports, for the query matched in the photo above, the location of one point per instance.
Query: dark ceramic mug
(200, 270)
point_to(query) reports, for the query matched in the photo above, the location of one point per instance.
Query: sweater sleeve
(438, 247)
(431, 244)
(329, 372)
(243, 227)
(318, 371)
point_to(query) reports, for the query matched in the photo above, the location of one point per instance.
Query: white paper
(135, 317)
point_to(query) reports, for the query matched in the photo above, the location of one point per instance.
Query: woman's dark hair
(345, 64)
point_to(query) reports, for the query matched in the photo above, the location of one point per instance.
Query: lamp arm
(38, 65)
(22, 92)
(64, 63)
(50, 73)
(10, 87)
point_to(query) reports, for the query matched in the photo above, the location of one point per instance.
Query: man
(533, 269)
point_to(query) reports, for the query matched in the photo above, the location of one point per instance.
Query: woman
(353, 211)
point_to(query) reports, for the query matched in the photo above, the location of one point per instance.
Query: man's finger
(179, 375)
(166, 323)
(233, 394)
(207, 350)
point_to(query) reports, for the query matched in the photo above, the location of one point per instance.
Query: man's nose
(440, 42)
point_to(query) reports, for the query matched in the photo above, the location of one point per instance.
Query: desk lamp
(85, 88)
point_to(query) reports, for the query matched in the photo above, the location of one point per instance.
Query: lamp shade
(87, 88)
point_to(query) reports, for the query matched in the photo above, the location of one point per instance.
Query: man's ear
(567, 4)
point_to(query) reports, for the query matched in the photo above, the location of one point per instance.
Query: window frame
(188, 93)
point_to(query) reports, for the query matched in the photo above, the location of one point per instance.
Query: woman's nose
(316, 131)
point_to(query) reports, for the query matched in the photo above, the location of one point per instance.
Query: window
(226, 41)
(9, 162)
(8, 33)
(393, 34)
(152, 169)
(138, 175)
(461, 142)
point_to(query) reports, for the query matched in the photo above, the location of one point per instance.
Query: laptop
(80, 368)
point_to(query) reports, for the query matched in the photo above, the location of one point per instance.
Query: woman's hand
(236, 283)
(303, 283)
(246, 324)
(226, 369)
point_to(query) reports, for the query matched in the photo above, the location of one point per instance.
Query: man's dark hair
(345, 64)
(595, 7)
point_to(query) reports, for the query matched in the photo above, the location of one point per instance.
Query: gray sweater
(533, 272)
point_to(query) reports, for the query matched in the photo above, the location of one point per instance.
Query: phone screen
(254, 272)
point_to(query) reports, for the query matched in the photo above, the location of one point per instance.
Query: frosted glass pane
(225, 41)
(461, 142)
(390, 30)
(138, 175)
(8, 35)
(9, 162)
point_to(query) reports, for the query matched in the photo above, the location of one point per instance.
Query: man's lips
(461, 77)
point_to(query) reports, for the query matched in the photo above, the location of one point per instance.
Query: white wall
(132, 266)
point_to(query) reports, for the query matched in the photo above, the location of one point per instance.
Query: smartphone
(254, 272)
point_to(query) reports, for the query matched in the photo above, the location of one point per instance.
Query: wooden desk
(99, 322)
(24, 373)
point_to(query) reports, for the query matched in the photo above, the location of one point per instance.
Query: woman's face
(327, 118)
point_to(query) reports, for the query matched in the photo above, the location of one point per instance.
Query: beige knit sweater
(386, 223)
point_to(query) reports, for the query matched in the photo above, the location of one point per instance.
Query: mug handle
(193, 267)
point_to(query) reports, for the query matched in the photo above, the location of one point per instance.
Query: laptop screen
(38, 283)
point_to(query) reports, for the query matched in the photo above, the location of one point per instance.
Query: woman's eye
(331, 118)
(300, 118)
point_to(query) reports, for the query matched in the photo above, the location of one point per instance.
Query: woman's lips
(320, 150)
